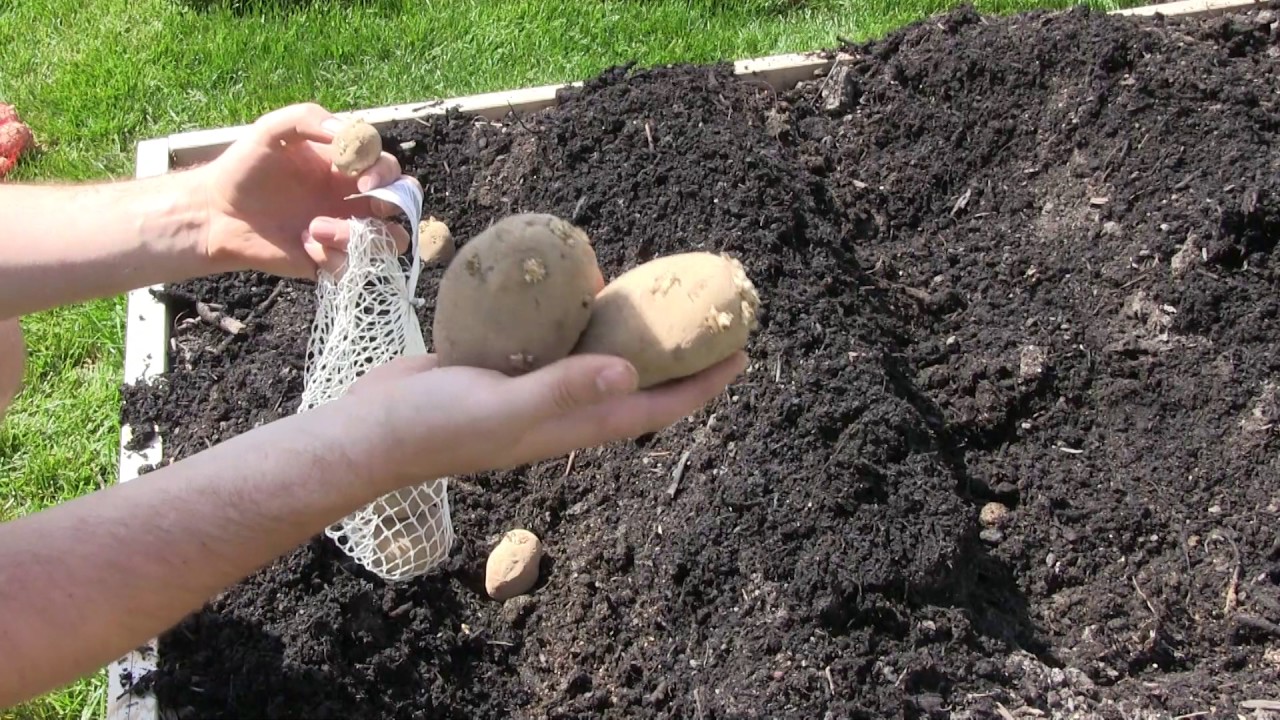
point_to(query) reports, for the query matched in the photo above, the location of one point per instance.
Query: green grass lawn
(94, 78)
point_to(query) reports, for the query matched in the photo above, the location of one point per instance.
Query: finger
(384, 172)
(327, 259)
(569, 385)
(400, 235)
(382, 208)
(335, 233)
(330, 232)
(633, 415)
(307, 121)
(399, 369)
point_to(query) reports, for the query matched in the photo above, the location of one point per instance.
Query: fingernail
(324, 229)
(617, 380)
(365, 183)
(332, 125)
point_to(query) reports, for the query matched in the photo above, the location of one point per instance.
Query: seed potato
(517, 296)
(357, 146)
(401, 547)
(512, 568)
(435, 242)
(674, 316)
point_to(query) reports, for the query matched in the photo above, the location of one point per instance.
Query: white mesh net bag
(364, 318)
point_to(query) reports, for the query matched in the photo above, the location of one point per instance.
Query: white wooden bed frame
(146, 332)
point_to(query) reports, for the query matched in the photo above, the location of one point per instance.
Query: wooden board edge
(144, 359)
(1192, 8)
(200, 146)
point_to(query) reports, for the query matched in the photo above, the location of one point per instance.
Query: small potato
(513, 565)
(400, 547)
(517, 296)
(357, 146)
(435, 242)
(674, 316)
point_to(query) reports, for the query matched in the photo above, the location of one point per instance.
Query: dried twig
(257, 312)
(1233, 588)
(1004, 712)
(1145, 599)
(678, 474)
(512, 112)
(648, 133)
(1233, 585)
(568, 467)
(225, 323)
(1261, 705)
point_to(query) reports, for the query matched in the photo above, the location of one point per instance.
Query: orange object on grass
(15, 138)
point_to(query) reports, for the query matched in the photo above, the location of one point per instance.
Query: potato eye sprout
(365, 317)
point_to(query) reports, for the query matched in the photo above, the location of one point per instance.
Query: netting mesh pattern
(364, 318)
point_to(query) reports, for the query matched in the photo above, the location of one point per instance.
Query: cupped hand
(423, 421)
(277, 204)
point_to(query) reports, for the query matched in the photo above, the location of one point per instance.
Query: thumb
(574, 383)
(303, 120)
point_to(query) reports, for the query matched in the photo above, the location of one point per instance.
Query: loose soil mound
(1022, 260)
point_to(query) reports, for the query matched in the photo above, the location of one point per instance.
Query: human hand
(277, 204)
(13, 355)
(420, 421)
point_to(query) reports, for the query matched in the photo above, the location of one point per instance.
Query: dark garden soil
(1026, 261)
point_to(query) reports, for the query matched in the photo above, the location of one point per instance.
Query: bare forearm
(61, 244)
(85, 582)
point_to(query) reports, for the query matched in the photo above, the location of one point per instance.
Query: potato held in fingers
(517, 296)
(357, 147)
(674, 316)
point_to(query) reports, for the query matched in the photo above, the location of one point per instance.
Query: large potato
(517, 296)
(674, 316)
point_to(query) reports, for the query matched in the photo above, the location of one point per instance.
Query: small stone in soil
(993, 514)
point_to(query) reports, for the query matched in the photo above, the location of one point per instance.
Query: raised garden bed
(1022, 260)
